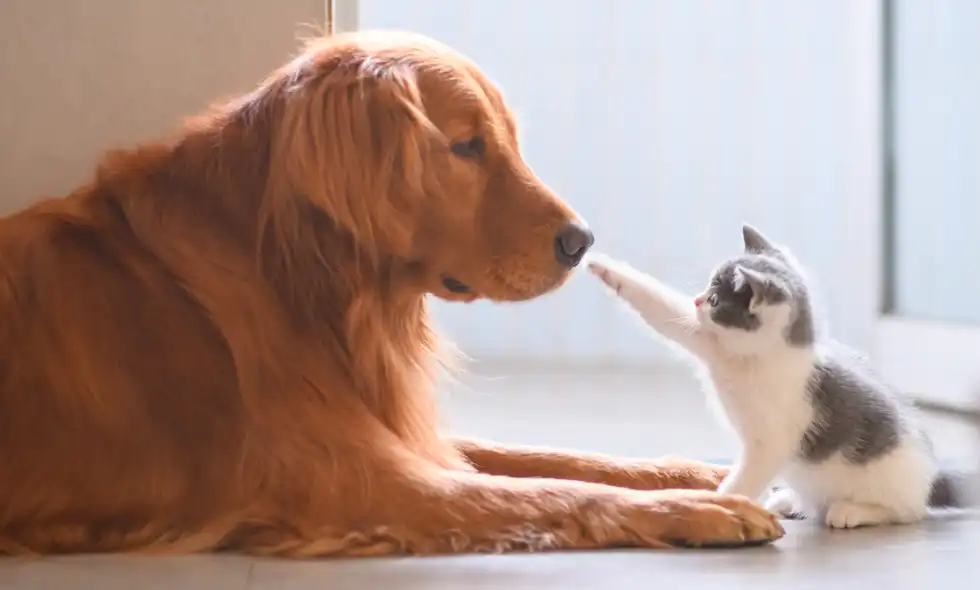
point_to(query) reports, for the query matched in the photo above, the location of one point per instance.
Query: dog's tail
(955, 489)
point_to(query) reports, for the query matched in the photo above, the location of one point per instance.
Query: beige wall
(78, 77)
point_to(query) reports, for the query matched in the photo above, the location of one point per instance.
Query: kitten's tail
(955, 489)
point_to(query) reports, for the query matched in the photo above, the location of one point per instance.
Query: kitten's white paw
(607, 270)
(732, 485)
(849, 515)
(784, 502)
(726, 485)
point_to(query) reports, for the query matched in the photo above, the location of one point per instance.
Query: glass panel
(936, 207)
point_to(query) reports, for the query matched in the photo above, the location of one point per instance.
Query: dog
(221, 341)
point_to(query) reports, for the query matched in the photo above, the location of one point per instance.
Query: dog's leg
(437, 511)
(656, 474)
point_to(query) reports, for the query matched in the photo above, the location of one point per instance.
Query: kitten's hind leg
(846, 514)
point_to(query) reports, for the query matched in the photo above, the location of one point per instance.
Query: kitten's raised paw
(604, 268)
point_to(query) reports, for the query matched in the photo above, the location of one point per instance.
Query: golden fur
(221, 341)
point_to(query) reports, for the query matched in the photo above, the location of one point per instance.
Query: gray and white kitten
(804, 407)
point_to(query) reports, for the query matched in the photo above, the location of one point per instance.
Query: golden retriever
(221, 341)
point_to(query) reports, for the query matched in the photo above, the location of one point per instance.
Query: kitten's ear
(755, 241)
(746, 278)
(762, 288)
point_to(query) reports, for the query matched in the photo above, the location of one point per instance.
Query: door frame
(342, 15)
(934, 361)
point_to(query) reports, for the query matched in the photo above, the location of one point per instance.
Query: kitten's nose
(571, 244)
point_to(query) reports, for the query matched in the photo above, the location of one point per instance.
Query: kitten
(804, 407)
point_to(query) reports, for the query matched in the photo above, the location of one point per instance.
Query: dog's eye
(471, 148)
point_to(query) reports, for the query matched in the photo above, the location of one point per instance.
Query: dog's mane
(322, 248)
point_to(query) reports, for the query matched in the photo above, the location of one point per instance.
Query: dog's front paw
(693, 475)
(699, 518)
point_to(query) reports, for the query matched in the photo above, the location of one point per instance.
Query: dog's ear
(353, 138)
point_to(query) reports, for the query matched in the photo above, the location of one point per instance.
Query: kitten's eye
(713, 300)
(471, 148)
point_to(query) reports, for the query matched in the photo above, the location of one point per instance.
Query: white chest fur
(765, 399)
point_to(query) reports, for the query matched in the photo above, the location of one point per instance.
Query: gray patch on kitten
(856, 413)
(762, 273)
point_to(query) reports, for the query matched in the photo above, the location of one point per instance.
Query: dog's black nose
(571, 244)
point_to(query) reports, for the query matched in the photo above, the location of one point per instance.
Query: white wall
(666, 123)
(78, 78)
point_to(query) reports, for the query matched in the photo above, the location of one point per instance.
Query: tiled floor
(625, 414)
